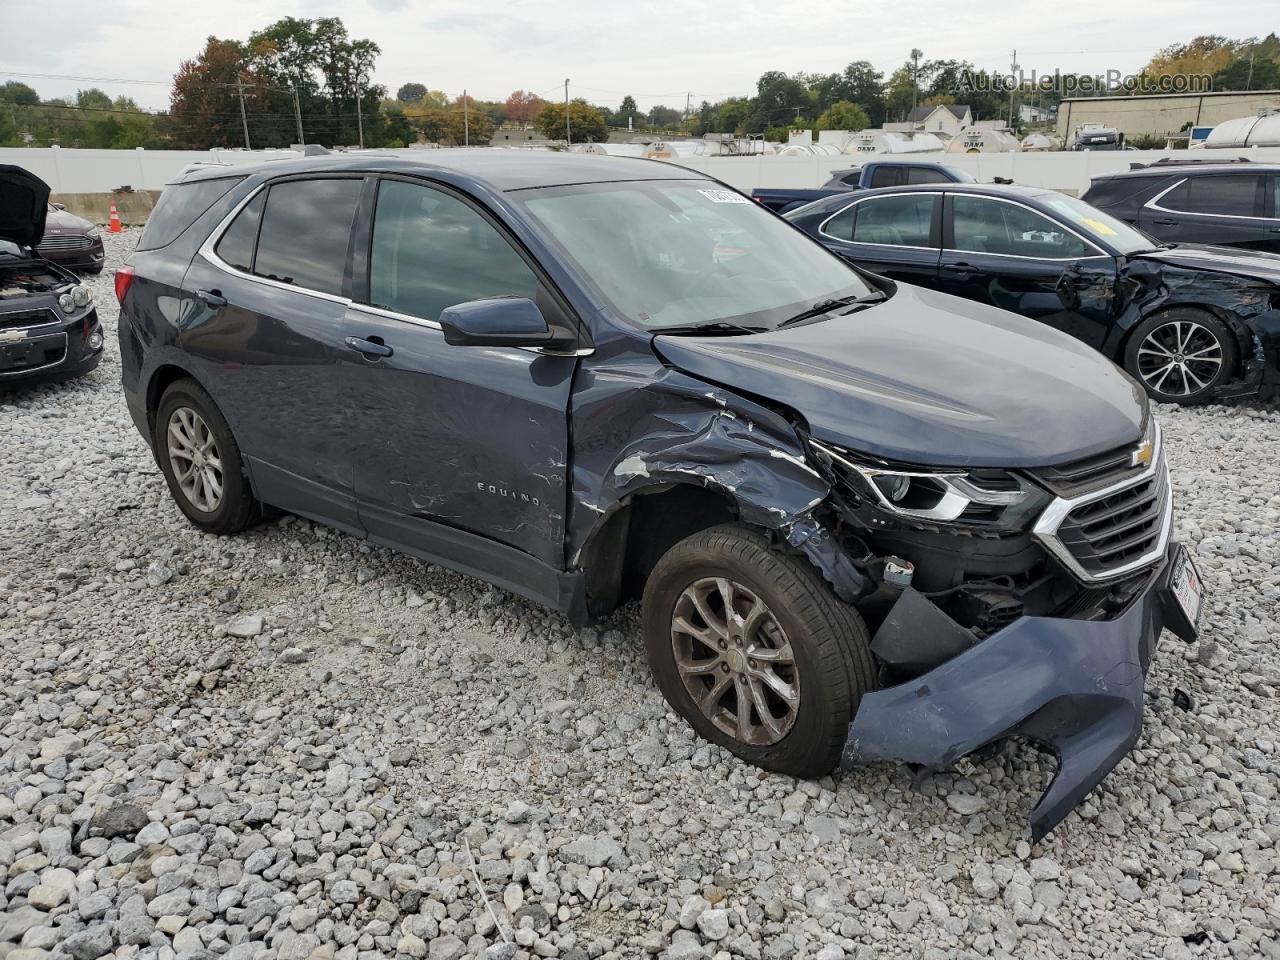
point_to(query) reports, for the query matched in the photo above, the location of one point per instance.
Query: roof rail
(1184, 161)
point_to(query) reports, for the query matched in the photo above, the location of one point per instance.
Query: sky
(659, 51)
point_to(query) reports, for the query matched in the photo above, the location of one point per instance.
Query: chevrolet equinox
(865, 521)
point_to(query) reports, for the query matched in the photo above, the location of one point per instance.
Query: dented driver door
(451, 440)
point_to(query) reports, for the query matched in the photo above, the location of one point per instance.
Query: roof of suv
(498, 168)
(1190, 169)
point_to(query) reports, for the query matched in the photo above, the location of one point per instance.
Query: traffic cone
(115, 219)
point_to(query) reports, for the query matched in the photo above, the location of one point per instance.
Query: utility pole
(359, 114)
(297, 112)
(466, 120)
(243, 118)
(1013, 75)
(688, 104)
(567, 138)
(916, 54)
(1253, 48)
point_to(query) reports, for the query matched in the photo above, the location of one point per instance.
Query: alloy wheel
(735, 661)
(194, 458)
(1180, 358)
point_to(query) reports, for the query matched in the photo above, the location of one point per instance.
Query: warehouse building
(1161, 115)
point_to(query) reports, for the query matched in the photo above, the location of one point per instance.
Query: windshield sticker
(724, 196)
(1098, 227)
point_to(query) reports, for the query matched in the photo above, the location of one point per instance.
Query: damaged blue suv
(865, 521)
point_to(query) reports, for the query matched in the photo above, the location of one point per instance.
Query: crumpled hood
(928, 378)
(24, 204)
(1241, 262)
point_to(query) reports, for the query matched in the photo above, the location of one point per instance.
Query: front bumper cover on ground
(1073, 686)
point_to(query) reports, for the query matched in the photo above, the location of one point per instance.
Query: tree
(523, 107)
(665, 117)
(19, 93)
(92, 99)
(203, 108)
(410, 92)
(779, 99)
(586, 125)
(843, 115)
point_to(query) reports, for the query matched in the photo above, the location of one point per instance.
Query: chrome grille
(1094, 473)
(66, 241)
(1115, 529)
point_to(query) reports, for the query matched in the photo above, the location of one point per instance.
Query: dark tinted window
(236, 245)
(884, 176)
(180, 205)
(431, 251)
(1230, 195)
(841, 225)
(1273, 190)
(305, 231)
(901, 221)
(852, 179)
(926, 175)
(992, 226)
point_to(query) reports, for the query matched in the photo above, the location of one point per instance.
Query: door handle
(373, 348)
(1165, 222)
(212, 298)
(958, 267)
(1273, 229)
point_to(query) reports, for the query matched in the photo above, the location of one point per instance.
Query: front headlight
(77, 298)
(942, 496)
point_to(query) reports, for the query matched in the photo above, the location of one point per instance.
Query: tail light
(124, 280)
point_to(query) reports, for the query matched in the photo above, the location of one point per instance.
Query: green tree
(843, 115)
(411, 92)
(586, 124)
(779, 100)
(19, 93)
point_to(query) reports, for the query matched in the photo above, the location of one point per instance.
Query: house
(946, 119)
(1029, 113)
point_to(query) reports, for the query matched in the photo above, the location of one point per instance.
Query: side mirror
(495, 322)
(58, 206)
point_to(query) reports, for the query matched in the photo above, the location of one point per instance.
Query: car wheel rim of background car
(735, 661)
(193, 455)
(1180, 358)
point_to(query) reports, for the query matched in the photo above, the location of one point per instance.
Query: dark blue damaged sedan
(864, 520)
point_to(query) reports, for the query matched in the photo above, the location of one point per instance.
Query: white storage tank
(1259, 131)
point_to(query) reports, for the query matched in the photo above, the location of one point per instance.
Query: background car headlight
(93, 231)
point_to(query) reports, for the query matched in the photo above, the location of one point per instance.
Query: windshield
(1115, 233)
(675, 253)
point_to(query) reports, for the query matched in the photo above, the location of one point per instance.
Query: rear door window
(1234, 195)
(431, 251)
(886, 176)
(179, 206)
(926, 175)
(900, 221)
(840, 227)
(305, 233)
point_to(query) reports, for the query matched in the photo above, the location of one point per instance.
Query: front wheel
(1181, 355)
(753, 649)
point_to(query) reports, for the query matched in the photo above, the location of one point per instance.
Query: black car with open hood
(865, 521)
(48, 325)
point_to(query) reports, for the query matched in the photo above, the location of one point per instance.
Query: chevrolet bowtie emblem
(1142, 456)
(9, 336)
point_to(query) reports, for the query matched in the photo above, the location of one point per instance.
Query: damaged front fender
(639, 425)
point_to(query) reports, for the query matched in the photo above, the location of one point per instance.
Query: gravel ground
(288, 744)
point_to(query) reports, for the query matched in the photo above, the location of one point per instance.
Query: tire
(831, 657)
(235, 508)
(1181, 355)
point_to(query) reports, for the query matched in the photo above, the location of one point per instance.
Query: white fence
(70, 171)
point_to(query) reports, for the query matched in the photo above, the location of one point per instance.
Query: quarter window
(981, 225)
(306, 229)
(237, 243)
(1235, 195)
(899, 221)
(840, 227)
(431, 251)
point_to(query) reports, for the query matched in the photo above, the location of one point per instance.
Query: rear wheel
(1181, 355)
(201, 461)
(753, 649)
